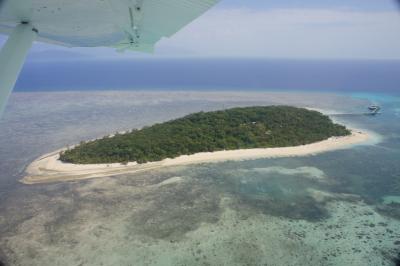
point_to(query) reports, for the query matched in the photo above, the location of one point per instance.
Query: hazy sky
(275, 28)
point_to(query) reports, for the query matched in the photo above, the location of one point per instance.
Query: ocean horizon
(343, 76)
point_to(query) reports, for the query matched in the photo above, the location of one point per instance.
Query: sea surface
(336, 208)
(212, 74)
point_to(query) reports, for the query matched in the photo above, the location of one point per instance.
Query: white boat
(374, 109)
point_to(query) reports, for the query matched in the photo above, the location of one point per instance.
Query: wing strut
(12, 57)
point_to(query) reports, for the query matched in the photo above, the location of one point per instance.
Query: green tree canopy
(237, 128)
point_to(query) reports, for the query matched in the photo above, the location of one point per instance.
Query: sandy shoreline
(48, 168)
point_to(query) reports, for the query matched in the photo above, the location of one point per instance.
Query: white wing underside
(123, 24)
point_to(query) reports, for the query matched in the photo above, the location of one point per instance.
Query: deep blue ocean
(212, 74)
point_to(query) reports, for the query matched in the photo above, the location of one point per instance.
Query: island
(232, 129)
(232, 134)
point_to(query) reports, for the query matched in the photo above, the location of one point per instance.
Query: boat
(374, 109)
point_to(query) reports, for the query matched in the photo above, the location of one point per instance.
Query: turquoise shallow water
(337, 208)
(381, 98)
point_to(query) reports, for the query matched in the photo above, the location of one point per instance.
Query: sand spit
(49, 168)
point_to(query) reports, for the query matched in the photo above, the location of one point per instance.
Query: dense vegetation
(237, 128)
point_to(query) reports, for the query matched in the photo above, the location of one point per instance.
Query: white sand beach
(48, 168)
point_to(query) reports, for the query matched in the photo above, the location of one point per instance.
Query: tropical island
(232, 129)
(204, 137)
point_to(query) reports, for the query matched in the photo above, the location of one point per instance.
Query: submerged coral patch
(169, 212)
(304, 171)
(278, 191)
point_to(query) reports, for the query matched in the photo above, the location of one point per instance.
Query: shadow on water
(397, 261)
(2, 259)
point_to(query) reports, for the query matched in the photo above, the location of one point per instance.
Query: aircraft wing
(124, 24)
